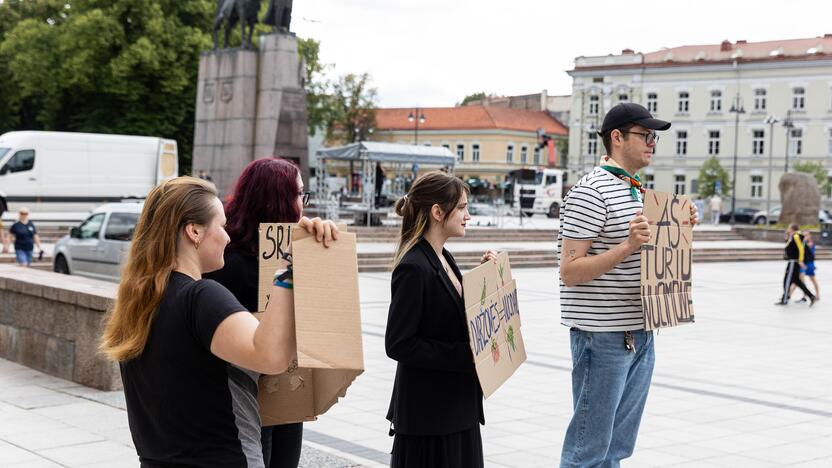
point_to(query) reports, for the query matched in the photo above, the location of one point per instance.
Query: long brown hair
(169, 207)
(433, 188)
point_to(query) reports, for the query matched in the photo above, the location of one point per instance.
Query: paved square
(747, 385)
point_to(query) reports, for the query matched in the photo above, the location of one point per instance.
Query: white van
(61, 171)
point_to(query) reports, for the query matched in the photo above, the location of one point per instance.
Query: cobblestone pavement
(747, 385)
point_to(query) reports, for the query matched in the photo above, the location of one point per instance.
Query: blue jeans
(24, 257)
(609, 389)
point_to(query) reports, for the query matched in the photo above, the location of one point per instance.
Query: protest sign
(327, 323)
(666, 261)
(493, 317)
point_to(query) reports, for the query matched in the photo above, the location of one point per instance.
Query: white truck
(63, 171)
(538, 191)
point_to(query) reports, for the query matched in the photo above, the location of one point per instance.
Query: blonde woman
(175, 334)
(436, 408)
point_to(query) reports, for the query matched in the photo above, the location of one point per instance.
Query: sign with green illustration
(493, 317)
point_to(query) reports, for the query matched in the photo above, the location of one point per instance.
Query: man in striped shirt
(599, 242)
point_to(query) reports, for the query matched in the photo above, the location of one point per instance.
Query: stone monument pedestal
(250, 104)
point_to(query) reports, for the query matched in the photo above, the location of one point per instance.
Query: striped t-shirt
(599, 208)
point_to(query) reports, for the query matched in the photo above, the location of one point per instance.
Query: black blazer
(436, 389)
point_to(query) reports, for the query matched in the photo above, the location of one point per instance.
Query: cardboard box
(493, 315)
(327, 323)
(666, 261)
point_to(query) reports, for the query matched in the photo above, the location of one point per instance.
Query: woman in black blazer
(436, 407)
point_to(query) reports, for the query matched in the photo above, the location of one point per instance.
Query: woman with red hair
(269, 190)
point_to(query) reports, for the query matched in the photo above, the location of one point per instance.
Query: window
(758, 138)
(475, 152)
(684, 102)
(551, 179)
(759, 99)
(445, 145)
(623, 97)
(592, 143)
(593, 105)
(756, 186)
(650, 181)
(713, 142)
(681, 143)
(524, 154)
(829, 142)
(120, 227)
(510, 153)
(796, 142)
(460, 152)
(652, 102)
(92, 226)
(694, 186)
(798, 99)
(537, 154)
(716, 101)
(679, 185)
(23, 160)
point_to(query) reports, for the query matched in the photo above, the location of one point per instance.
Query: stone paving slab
(747, 385)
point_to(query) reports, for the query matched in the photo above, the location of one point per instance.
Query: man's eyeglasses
(305, 197)
(649, 137)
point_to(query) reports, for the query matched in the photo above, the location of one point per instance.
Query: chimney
(627, 52)
(725, 46)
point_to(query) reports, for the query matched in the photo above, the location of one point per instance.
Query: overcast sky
(434, 52)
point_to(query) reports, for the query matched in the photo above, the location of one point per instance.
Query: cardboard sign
(666, 261)
(493, 316)
(327, 323)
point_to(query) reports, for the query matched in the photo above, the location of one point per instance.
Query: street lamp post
(788, 124)
(736, 109)
(416, 117)
(770, 120)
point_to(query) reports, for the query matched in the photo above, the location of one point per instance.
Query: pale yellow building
(697, 88)
(488, 141)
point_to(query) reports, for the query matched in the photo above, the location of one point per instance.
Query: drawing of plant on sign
(493, 315)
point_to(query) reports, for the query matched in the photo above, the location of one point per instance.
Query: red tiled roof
(470, 118)
(726, 52)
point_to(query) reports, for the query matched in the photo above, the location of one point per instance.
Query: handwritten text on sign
(666, 261)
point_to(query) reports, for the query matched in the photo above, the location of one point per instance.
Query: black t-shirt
(179, 405)
(24, 235)
(240, 276)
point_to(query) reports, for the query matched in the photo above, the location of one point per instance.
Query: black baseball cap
(630, 112)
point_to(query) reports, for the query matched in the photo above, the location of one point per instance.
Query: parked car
(762, 217)
(98, 246)
(744, 215)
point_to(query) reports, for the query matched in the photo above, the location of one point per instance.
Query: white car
(762, 217)
(98, 246)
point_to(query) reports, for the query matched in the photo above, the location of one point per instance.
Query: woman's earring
(196, 244)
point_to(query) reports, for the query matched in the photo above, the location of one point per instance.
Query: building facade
(727, 100)
(488, 141)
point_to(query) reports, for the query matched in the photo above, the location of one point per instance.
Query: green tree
(818, 171)
(709, 174)
(352, 103)
(106, 66)
(478, 96)
(318, 102)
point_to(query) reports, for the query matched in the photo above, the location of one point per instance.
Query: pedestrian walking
(700, 208)
(436, 407)
(716, 208)
(794, 253)
(809, 270)
(175, 335)
(25, 237)
(599, 241)
(269, 190)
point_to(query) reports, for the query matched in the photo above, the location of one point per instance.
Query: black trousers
(281, 445)
(793, 277)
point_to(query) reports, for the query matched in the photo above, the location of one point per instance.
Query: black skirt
(457, 450)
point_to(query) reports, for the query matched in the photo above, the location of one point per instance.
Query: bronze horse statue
(231, 12)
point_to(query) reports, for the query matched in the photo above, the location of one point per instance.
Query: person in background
(808, 271)
(700, 208)
(436, 407)
(794, 254)
(716, 208)
(269, 190)
(379, 183)
(203, 174)
(25, 237)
